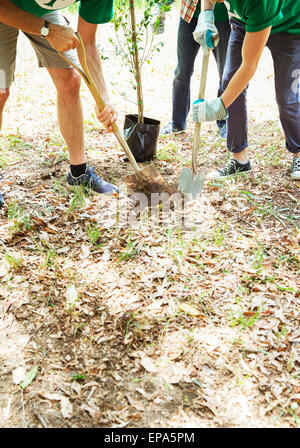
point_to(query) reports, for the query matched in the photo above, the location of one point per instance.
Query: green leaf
(29, 377)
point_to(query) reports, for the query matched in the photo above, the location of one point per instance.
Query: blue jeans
(285, 51)
(187, 50)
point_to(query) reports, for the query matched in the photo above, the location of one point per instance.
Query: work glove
(157, 23)
(204, 30)
(209, 110)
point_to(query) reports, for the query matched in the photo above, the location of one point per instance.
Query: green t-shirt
(92, 11)
(282, 15)
(221, 14)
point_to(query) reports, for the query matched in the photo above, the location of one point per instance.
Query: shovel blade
(191, 183)
(148, 179)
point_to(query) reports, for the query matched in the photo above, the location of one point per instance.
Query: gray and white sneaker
(296, 168)
(170, 129)
(91, 181)
(232, 168)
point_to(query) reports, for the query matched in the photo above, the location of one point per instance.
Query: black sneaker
(296, 168)
(170, 129)
(91, 181)
(232, 168)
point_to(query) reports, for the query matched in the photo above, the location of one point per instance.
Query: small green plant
(78, 377)
(282, 333)
(269, 210)
(169, 153)
(258, 257)
(240, 320)
(17, 215)
(14, 263)
(219, 235)
(15, 142)
(78, 200)
(129, 252)
(176, 246)
(50, 255)
(93, 233)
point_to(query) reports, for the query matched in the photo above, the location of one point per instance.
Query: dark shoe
(2, 203)
(170, 129)
(232, 168)
(296, 168)
(91, 181)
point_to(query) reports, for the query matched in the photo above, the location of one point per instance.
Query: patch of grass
(241, 321)
(269, 210)
(50, 255)
(219, 235)
(282, 333)
(129, 252)
(258, 257)
(14, 263)
(20, 221)
(169, 153)
(78, 377)
(93, 233)
(78, 200)
(14, 142)
(176, 246)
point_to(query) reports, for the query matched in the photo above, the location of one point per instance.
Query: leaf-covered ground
(166, 319)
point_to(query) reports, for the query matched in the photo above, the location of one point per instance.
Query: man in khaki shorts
(49, 32)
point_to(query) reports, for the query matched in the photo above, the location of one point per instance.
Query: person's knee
(70, 85)
(4, 94)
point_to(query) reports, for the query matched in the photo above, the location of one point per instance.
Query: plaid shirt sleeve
(187, 9)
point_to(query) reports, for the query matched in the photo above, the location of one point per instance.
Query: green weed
(17, 215)
(129, 252)
(242, 321)
(93, 233)
(14, 263)
(78, 201)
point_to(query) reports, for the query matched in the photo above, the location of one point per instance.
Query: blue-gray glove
(209, 110)
(157, 23)
(204, 30)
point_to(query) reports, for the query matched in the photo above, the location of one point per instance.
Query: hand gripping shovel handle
(197, 129)
(85, 74)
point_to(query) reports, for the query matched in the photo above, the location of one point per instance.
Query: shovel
(190, 181)
(147, 179)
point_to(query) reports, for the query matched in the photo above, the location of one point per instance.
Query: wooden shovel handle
(86, 75)
(197, 129)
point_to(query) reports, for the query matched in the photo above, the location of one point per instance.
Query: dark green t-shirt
(92, 11)
(221, 14)
(282, 15)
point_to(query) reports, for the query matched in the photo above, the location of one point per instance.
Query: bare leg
(69, 111)
(241, 156)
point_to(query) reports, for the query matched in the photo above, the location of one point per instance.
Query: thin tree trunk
(137, 68)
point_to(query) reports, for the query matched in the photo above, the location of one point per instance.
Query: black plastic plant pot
(141, 138)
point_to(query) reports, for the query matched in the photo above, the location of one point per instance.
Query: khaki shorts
(47, 56)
